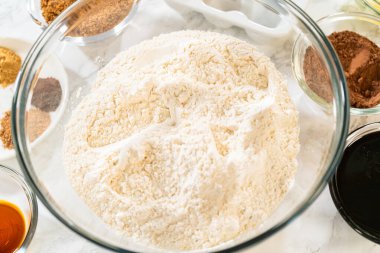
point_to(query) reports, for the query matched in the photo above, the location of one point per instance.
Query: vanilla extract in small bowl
(355, 188)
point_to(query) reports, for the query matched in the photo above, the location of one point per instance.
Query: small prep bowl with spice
(99, 20)
(18, 212)
(355, 37)
(186, 133)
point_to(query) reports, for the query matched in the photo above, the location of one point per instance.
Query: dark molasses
(355, 187)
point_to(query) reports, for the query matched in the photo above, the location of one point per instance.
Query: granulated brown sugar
(52, 8)
(360, 59)
(5, 131)
(10, 64)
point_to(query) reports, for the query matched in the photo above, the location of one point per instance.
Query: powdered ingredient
(37, 123)
(92, 18)
(10, 64)
(316, 75)
(53, 8)
(98, 16)
(47, 94)
(6, 131)
(187, 141)
(360, 59)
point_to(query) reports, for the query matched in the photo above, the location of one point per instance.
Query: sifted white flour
(188, 140)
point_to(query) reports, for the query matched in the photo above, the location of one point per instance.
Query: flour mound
(186, 141)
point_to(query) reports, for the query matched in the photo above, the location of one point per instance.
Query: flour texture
(186, 141)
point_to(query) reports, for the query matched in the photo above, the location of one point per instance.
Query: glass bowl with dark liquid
(355, 188)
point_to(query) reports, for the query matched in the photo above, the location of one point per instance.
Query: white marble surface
(319, 229)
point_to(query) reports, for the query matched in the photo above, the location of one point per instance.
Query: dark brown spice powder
(47, 94)
(98, 16)
(360, 59)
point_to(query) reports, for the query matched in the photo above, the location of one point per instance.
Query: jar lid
(355, 187)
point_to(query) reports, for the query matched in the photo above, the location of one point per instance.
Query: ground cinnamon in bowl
(92, 18)
(99, 16)
(360, 59)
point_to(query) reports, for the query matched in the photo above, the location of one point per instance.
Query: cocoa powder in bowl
(360, 59)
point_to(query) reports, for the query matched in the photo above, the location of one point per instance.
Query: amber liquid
(12, 227)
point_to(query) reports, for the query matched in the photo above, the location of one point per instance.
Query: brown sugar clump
(5, 131)
(47, 94)
(37, 122)
(52, 8)
(10, 64)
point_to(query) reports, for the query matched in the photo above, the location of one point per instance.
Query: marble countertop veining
(319, 229)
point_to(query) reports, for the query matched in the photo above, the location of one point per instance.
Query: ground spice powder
(47, 94)
(360, 59)
(10, 64)
(52, 8)
(5, 131)
(37, 122)
(316, 75)
(98, 16)
(92, 18)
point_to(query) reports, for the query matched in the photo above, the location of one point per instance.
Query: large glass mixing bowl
(272, 26)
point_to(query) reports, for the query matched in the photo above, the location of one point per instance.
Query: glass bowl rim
(342, 119)
(32, 201)
(352, 15)
(371, 5)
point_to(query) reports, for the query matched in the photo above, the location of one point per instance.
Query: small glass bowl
(334, 188)
(361, 23)
(14, 189)
(34, 9)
